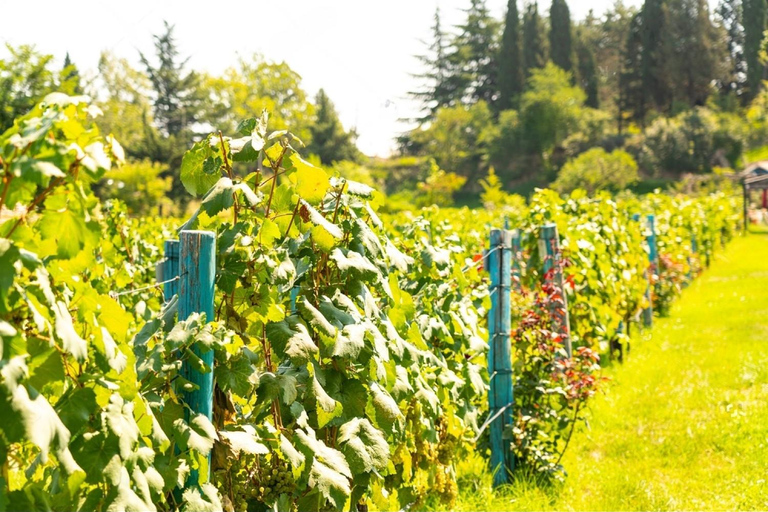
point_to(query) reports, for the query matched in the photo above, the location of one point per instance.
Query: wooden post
(647, 312)
(746, 206)
(196, 289)
(170, 269)
(516, 250)
(549, 251)
(500, 395)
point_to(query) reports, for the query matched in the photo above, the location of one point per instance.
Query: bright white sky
(360, 51)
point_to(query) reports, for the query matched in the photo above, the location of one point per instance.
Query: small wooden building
(754, 178)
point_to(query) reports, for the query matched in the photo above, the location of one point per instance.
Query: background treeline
(627, 98)
(157, 110)
(649, 93)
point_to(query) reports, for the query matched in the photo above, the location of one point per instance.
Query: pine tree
(475, 51)
(69, 78)
(510, 60)
(587, 69)
(534, 41)
(177, 93)
(329, 140)
(754, 26)
(561, 49)
(729, 15)
(442, 88)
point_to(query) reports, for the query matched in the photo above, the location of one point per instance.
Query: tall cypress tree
(632, 98)
(754, 26)
(510, 60)
(475, 52)
(694, 52)
(442, 87)
(729, 14)
(587, 69)
(534, 41)
(560, 46)
(653, 70)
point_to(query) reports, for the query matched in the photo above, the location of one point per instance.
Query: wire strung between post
(475, 263)
(490, 420)
(115, 295)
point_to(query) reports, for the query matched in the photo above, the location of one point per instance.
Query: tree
(561, 49)
(754, 27)
(652, 69)
(69, 81)
(693, 53)
(454, 138)
(177, 96)
(609, 44)
(550, 109)
(443, 87)
(534, 42)
(245, 90)
(632, 100)
(588, 79)
(729, 14)
(25, 79)
(596, 170)
(510, 60)
(177, 101)
(329, 140)
(475, 52)
(123, 96)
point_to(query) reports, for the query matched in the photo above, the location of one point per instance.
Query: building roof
(754, 169)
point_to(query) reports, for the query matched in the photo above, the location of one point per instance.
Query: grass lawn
(683, 424)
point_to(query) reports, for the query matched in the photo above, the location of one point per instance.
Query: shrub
(139, 185)
(597, 170)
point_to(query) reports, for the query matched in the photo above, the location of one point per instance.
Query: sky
(360, 52)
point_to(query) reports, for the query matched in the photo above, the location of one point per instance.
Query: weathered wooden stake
(650, 239)
(516, 252)
(500, 396)
(170, 269)
(549, 251)
(197, 273)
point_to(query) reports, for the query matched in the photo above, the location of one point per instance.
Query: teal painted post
(648, 312)
(694, 250)
(500, 395)
(170, 266)
(516, 254)
(653, 257)
(196, 289)
(549, 250)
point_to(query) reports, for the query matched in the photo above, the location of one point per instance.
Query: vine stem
(228, 168)
(570, 433)
(295, 211)
(7, 180)
(276, 171)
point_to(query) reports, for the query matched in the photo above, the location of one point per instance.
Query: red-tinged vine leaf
(364, 445)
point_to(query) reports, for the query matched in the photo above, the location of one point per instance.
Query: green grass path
(683, 424)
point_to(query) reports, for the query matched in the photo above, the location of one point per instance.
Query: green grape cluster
(445, 485)
(274, 479)
(251, 478)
